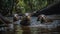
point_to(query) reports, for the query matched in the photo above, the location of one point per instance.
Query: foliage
(6, 6)
(23, 6)
(31, 5)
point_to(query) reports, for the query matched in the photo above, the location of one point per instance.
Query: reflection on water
(37, 28)
(26, 30)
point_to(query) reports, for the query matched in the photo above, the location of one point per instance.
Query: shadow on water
(26, 30)
(37, 28)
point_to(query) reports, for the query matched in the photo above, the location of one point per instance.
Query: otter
(43, 19)
(25, 21)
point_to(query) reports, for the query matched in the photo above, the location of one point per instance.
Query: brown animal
(15, 18)
(44, 19)
(25, 21)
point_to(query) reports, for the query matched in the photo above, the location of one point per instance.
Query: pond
(36, 27)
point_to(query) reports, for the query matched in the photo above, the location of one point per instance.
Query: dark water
(36, 27)
(46, 28)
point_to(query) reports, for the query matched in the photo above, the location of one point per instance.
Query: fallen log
(2, 18)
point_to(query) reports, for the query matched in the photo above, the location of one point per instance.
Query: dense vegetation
(22, 6)
(6, 6)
